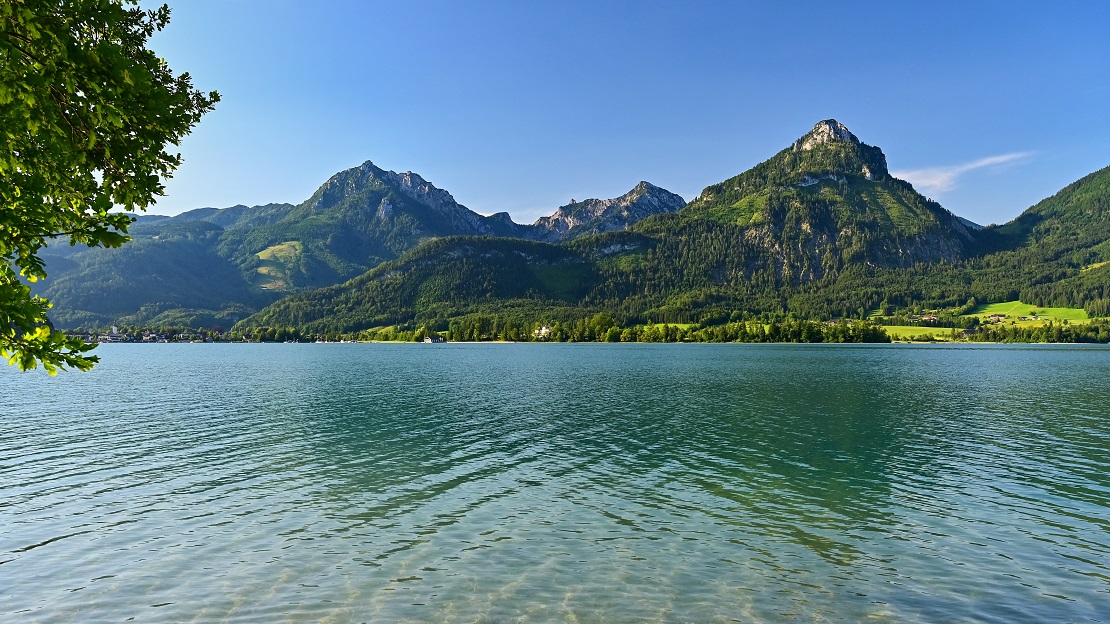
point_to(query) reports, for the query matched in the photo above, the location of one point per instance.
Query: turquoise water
(541, 483)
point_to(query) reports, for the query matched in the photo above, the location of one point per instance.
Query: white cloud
(937, 180)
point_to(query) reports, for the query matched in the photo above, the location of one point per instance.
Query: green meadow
(913, 332)
(275, 262)
(1015, 309)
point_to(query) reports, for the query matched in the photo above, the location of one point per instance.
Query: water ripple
(352, 483)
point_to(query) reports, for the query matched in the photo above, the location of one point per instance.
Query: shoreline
(539, 342)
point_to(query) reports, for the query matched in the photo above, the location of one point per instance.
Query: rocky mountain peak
(385, 193)
(419, 189)
(830, 150)
(825, 131)
(592, 216)
(352, 181)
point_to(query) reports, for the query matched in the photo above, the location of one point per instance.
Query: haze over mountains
(820, 230)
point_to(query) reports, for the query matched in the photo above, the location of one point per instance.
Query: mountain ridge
(821, 212)
(818, 230)
(357, 219)
(594, 216)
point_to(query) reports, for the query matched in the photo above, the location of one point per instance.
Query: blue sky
(988, 107)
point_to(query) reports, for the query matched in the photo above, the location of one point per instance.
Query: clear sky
(988, 107)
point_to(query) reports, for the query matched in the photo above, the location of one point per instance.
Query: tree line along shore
(602, 328)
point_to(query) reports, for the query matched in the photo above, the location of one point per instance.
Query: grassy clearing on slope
(282, 252)
(745, 211)
(273, 269)
(902, 215)
(1015, 309)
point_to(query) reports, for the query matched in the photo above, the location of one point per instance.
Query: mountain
(357, 219)
(212, 266)
(1076, 217)
(817, 208)
(819, 230)
(827, 202)
(594, 216)
(170, 273)
(1057, 252)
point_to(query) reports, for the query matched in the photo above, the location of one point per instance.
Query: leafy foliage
(86, 113)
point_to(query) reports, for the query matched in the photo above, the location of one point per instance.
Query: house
(113, 336)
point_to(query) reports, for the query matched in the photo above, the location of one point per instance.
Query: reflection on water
(558, 482)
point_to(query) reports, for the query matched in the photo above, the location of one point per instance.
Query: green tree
(613, 334)
(86, 115)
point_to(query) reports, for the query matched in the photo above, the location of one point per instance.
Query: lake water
(552, 483)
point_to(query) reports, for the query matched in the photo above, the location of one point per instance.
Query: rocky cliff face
(451, 217)
(594, 216)
(825, 132)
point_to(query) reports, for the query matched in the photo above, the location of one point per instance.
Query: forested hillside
(215, 266)
(819, 231)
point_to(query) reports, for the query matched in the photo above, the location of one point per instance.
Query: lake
(552, 483)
